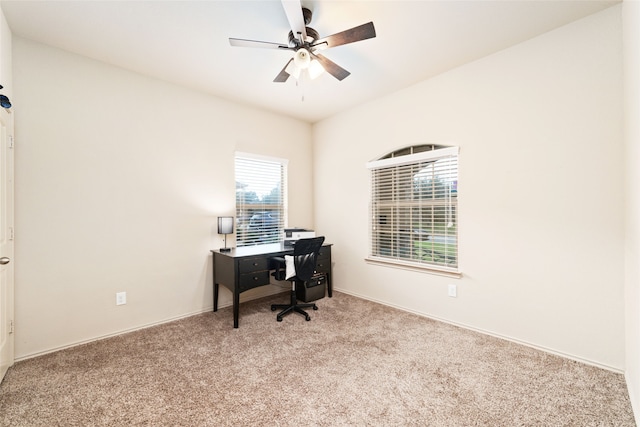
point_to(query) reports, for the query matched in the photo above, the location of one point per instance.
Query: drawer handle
(255, 278)
(255, 264)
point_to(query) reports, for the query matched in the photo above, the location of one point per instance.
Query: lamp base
(225, 249)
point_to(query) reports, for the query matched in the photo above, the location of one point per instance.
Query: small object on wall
(121, 298)
(4, 101)
(225, 226)
(453, 291)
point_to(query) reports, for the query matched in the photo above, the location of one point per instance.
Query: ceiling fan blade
(254, 43)
(331, 67)
(293, 10)
(355, 34)
(283, 76)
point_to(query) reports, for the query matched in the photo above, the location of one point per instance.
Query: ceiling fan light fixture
(293, 70)
(302, 59)
(315, 69)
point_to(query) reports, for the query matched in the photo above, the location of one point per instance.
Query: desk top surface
(256, 250)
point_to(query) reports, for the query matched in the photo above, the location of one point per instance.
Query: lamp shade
(225, 224)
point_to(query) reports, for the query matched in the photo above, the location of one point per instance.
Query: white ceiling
(186, 42)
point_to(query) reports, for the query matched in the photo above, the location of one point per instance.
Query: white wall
(6, 75)
(631, 43)
(540, 187)
(119, 180)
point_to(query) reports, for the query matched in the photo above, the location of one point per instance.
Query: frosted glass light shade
(302, 58)
(315, 69)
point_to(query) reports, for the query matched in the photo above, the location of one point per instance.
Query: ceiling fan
(307, 44)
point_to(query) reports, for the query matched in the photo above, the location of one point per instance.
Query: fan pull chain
(300, 84)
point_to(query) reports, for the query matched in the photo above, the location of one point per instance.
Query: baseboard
(262, 292)
(486, 332)
(276, 288)
(113, 334)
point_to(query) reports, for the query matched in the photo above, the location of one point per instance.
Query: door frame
(7, 351)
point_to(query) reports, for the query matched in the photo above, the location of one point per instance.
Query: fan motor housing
(311, 33)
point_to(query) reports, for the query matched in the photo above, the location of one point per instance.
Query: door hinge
(10, 233)
(10, 141)
(11, 326)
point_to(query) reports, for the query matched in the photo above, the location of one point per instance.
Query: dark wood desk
(248, 267)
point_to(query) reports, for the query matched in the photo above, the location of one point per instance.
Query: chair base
(293, 306)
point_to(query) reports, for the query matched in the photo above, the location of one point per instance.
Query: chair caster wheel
(273, 308)
(307, 318)
(315, 307)
(279, 319)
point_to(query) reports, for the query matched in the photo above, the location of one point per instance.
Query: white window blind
(261, 199)
(414, 209)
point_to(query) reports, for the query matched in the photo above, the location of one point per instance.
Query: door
(6, 241)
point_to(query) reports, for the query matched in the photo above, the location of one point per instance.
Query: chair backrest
(305, 256)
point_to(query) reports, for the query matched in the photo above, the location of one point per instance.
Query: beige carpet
(355, 363)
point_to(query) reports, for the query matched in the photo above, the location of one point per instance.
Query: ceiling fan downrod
(296, 40)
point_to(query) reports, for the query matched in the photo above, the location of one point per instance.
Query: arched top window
(414, 149)
(414, 208)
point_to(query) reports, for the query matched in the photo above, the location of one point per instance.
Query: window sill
(414, 267)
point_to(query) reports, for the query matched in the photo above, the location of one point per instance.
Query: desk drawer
(324, 260)
(325, 253)
(249, 265)
(253, 280)
(323, 265)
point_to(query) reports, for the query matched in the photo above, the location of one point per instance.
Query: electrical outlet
(121, 298)
(453, 291)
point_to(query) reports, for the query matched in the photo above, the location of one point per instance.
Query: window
(261, 199)
(414, 208)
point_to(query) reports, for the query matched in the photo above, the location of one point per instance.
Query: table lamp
(225, 226)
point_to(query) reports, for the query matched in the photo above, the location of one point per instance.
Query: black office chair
(305, 257)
